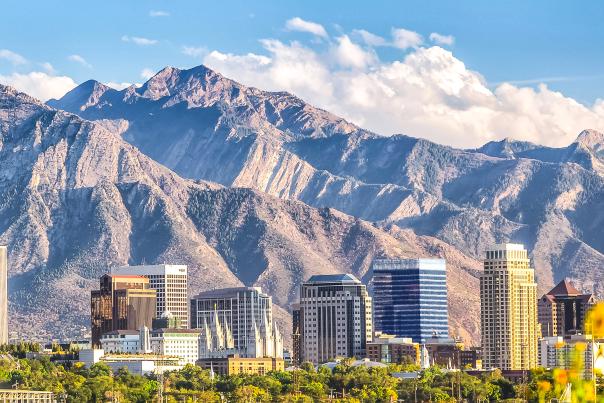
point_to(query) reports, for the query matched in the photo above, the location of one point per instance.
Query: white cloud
(405, 39)
(119, 86)
(442, 39)
(49, 68)
(12, 57)
(79, 59)
(138, 40)
(349, 54)
(147, 73)
(429, 93)
(298, 24)
(194, 51)
(158, 13)
(39, 85)
(370, 38)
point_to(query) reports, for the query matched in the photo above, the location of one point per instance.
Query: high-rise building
(170, 282)
(236, 321)
(336, 318)
(561, 312)
(296, 335)
(3, 295)
(508, 309)
(123, 302)
(410, 298)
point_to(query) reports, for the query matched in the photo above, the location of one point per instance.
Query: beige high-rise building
(508, 309)
(3, 295)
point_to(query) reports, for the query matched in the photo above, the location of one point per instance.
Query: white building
(236, 321)
(182, 343)
(121, 341)
(143, 364)
(336, 312)
(170, 282)
(559, 352)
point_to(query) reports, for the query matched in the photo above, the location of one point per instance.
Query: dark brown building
(297, 335)
(444, 352)
(121, 303)
(561, 312)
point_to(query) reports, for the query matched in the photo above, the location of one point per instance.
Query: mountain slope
(79, 199)
(205, 126)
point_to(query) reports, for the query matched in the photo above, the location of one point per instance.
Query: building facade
(121, 341)
(393, 350)
(183, 343)
(410, 298)
(234, 365)
(508, 309)
(123, 302)
(3, 295)
(562, 311)
(236, 321)
(296, 335)
(171, 284)
(336, 318)
(559, 352)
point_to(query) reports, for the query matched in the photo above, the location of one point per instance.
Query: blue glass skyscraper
(410, 298)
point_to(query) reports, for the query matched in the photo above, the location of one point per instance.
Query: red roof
(564, 287)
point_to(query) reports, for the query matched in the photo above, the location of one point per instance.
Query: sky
(460, 73)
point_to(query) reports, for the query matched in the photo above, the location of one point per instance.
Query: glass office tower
(410, 298)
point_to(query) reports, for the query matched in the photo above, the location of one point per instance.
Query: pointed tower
(277, 343)
(217, 332)
(424, 358)
(205, 341)
(254, 344)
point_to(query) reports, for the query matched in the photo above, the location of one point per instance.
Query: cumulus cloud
(194, 51)
(442, 39)
(49, 68)
(139, 40)
(405, 39)
(39, 84)
(158, 13)
(79, 59)
(147, 73)
(428, 93)
(12, 57)
(349, 54)
(298, 24)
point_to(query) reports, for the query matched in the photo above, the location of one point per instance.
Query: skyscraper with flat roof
(335, 318)
(508, 309)
(170, 282)
(410, 298)
(3, 295)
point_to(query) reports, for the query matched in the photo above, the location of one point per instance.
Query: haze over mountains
(260, 188)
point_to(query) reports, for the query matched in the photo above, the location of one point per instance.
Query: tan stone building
(240, 365)
(508, 309)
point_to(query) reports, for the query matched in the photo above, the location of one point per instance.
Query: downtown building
(122, 302)
(508, 309)
(410, 298)
(335, 318)
(236, 321)
(171, 284)
(562, 311)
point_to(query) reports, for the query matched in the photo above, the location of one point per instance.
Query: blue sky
(525, 43)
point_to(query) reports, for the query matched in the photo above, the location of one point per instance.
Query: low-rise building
(143, 364)
(121, 341)
(559, 352)
(26, 396)
(234, 364)
(444, 352)
(183, 343)
(390, 349)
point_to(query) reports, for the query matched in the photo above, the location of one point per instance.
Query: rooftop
(508, 246)
(333, 278)
(226, 292)
(564, 287)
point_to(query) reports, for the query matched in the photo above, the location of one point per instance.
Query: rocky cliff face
(78, 199)
(204, 126)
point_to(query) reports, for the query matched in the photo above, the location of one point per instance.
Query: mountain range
(260, 188)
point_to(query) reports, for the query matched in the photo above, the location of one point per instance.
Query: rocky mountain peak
(590, 138)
